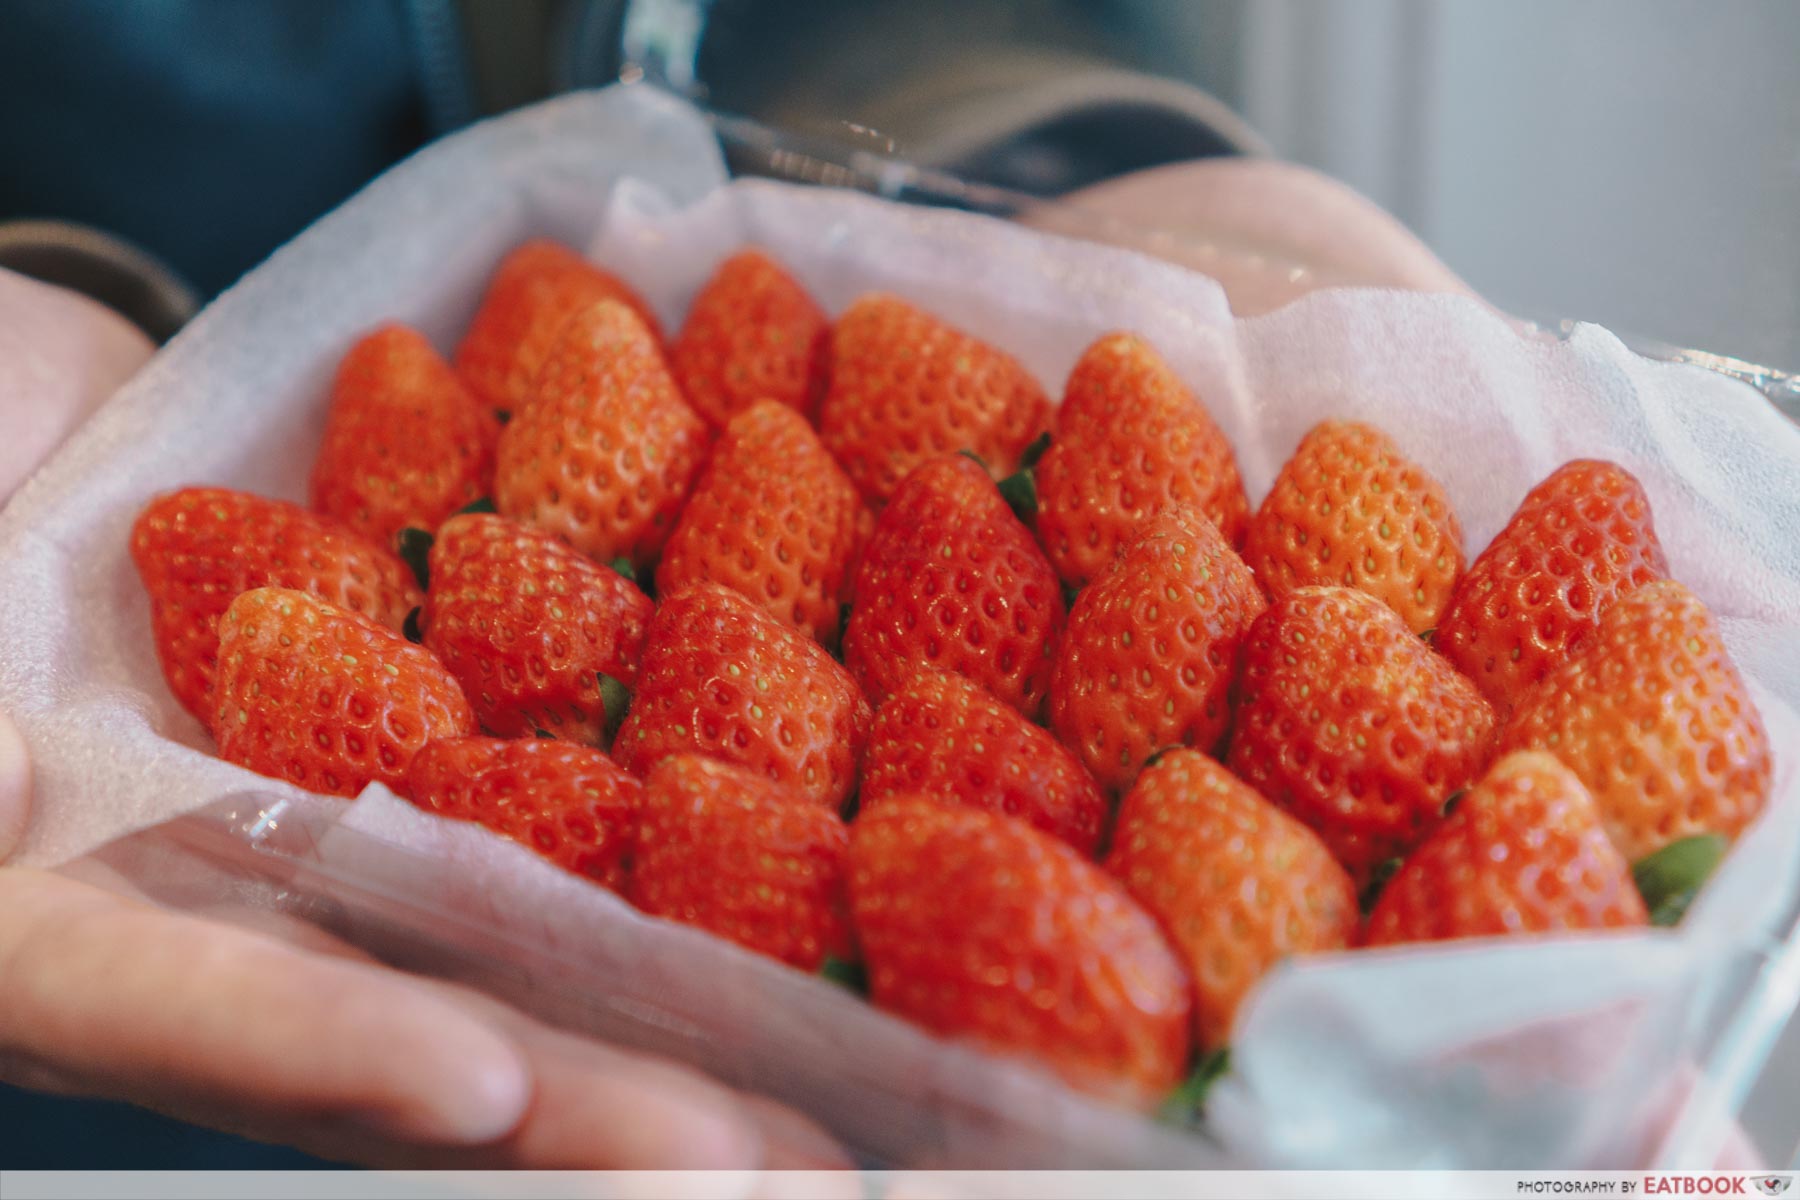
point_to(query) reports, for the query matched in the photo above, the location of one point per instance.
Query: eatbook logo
(1773, 1185)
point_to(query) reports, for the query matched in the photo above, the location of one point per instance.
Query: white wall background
(1633, 162)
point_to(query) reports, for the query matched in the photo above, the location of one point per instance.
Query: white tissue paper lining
(1457, 1056)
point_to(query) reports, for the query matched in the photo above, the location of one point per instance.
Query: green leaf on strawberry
(1670, 878)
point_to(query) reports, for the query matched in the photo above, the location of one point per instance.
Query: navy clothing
(278, 110)
(50, 1133)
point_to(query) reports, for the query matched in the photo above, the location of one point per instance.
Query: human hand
(283, 1034)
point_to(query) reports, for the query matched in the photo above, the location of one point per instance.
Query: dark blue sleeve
(207, 131)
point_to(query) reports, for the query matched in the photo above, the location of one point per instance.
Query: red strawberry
(197, 548)
(722, 678)
(604, 455)
(1581, 539)
(726, 850)
(528, 627)
(569, 803)
(406, 443)
(773, 519)
(532, 295)
(324, 698)
(1352, 724)
(906, 387)
(1131, 441)
(1350, 509)
(1654, 719)
(752, 334)
(1147, 659)
(951, 579)
(1523, 852)
(944, 736)
(1237, 884)
(980, 927)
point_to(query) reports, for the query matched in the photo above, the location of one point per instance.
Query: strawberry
(604, 455)
(325, 698)
(906, 387)
(532, 295)
(1238, 884)
(944, 736)
(1581, 539)
(720, 677)
(728, 851)
(752, 334)
(950, 578)
(1653, 718)
(405, 442)
(773, 519)
(569, 803)
(1350, 509)
(529, 627)
(1147, 659)
(197, 548)
(1524, 852)
(1351, 723)
(980, 927)
(1131, 441)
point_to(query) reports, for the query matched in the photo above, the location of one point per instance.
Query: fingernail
(472, 1087)
(15, 787)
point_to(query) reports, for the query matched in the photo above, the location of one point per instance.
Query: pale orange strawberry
(327, 699)
(532, 295)
(1238, 884)
(775, 520)
(1351, 723)
(752, 334)
(532, 629)
(1524, 852)
(1581, 539)
(198, 548)
(406, 444)
(951, 579)
(1131, 441)
(906, 387)
(606, 452)
(980, 927)
(722, 678)
(569, 803)
(1147, 660)
(1349, 509)
(945, 735)
(729, 851)
(1653, 717)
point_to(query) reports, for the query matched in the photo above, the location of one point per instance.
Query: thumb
(15, 787)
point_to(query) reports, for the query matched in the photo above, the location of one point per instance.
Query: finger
(102, 996)
(794, 1143)
(600, 1106)
(593, 1107)
(15, 787)
(61, 354)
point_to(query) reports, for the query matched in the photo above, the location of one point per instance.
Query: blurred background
(1630, 162)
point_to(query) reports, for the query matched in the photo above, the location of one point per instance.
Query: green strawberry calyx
(1019, 489)
(414, 547)
(615, 700)
(1187, 1103)
(1670, 878)
(845, 973)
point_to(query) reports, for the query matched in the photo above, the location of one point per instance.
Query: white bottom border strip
(882, 1185)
